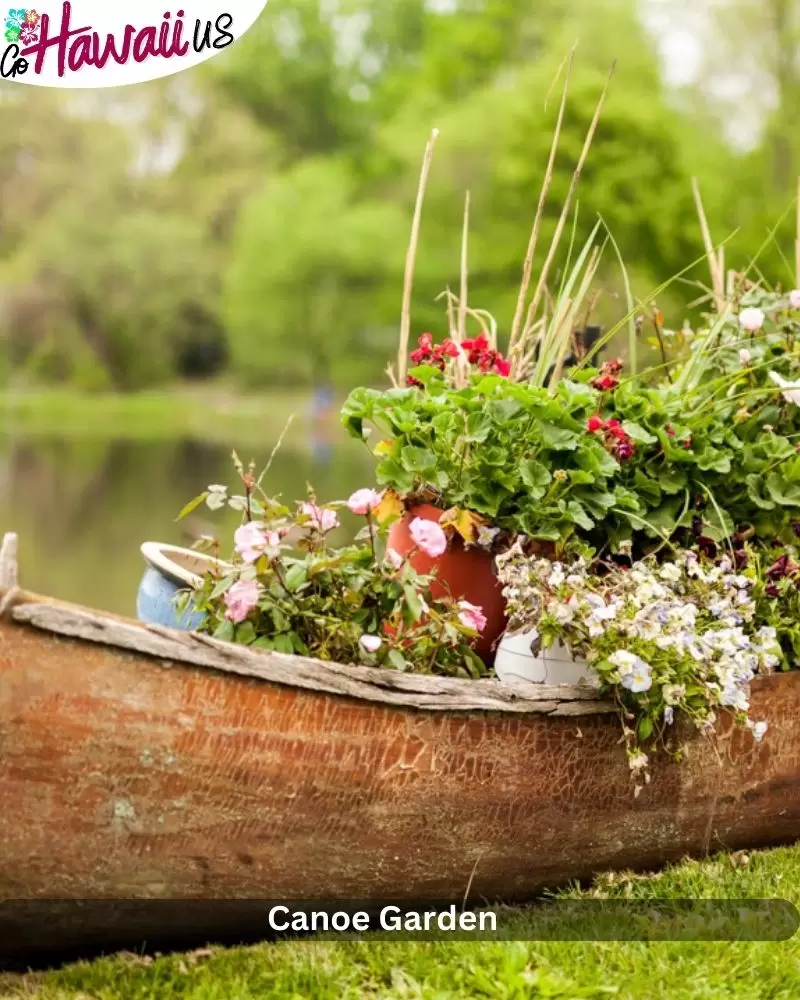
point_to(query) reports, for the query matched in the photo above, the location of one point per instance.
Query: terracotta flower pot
(462, 573)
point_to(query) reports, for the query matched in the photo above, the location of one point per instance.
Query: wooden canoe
(141, 763)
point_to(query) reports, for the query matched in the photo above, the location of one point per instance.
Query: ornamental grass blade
(411, 257)
(797, 241)
(557, 337)
(533, 308)
(563, 335)
(527, 268)
(630, 304)
(654, 294)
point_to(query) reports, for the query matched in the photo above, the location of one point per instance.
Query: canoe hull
(126, 776)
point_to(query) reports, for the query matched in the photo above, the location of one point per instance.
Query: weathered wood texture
(8, 562)
(199, 770)
(386, 686)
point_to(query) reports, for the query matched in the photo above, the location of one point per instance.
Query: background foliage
(252, 215)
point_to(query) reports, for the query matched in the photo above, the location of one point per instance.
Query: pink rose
(471, 616)
(321, 518)
(394, 558)
(794, 298)
(372, 643)
(241, 599)
(428, 536)
(751, 319)
(364, 501)
(250, 541)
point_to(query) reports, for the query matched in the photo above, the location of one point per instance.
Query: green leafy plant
(601, 458)
(514, 453)
(288, 590)
(578, 463)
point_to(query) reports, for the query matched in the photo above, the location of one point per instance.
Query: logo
(92, 43)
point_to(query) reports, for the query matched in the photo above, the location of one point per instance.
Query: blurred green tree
(292, 277)
(258, 207)
(310, 267)
(747, 88)
(111, 305)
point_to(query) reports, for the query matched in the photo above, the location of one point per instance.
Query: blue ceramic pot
(171, 570)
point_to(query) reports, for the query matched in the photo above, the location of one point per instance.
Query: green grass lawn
(206, 411)
(380, 967)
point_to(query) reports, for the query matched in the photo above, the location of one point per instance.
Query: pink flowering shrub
(290, 590)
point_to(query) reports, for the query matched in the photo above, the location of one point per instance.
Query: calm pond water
(82, 507)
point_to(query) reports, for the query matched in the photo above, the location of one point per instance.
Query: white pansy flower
(734, 697)
(694, 609)
(563, 613)
(635, 674)
(647, 630)
(673, 693)
(594, 600)
(671, 572)
(638, 680)
(623, 659)
(486, 536)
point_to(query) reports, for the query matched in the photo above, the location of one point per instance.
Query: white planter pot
(516, 662)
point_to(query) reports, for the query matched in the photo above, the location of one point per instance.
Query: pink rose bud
(250, 541)
(471, 616)
(794, 298)
(321, 518)
(241, 599)
(394, 558)
(751, 319)
(364, 501)
(429, 537)
(372, 643)
(745, 356)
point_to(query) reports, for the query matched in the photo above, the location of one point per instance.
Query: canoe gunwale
(371, 684)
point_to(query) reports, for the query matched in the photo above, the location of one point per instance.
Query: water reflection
(82, 507)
